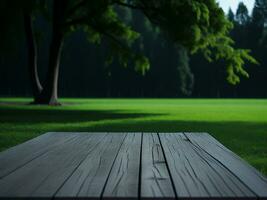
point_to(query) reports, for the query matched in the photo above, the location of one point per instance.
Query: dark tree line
(249, 32)
(174, 72)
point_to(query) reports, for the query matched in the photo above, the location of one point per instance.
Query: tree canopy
(196, 25)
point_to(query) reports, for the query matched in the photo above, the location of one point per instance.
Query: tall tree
(231, 15)
(258, 22)
(242, 16)
(198, 25)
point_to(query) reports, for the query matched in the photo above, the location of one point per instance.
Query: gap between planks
(139, 195)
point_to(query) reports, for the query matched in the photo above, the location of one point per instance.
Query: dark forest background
(173, 72)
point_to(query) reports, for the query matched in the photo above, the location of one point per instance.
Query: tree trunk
(32, 57)
(49, 94)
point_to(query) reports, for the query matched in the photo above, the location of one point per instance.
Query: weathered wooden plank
(43, 176)
(90, 177)
(245, 172)
(107, 166)
(17, 156)
(123, 181)
(155, 178)
(196, 174)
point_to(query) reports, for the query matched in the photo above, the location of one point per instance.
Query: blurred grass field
(240, 125)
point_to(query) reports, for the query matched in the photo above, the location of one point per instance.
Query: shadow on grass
(224, 129)
(235, 134)
(65, 116)
(247, 139)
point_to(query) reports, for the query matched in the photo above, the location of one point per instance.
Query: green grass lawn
(241, 125)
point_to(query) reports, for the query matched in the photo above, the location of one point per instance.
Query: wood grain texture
(196, 174)
(155, 178)
(90, 177)
(245, 172)
(17, 156)
(43, 176)
(123, 181)
(127, 166)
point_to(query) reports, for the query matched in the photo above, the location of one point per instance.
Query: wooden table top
(60, 165)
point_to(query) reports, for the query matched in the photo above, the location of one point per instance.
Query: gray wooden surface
(155, 178)
(127, 166)
(196, 174)
(20, 155)
(90, 177)
(124, 176)
(246, 173)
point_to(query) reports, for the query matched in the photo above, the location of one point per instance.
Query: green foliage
(236, 63)
(198, 25)
(234, 58)
(141, 64)
(108, 25)
(92, 35)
